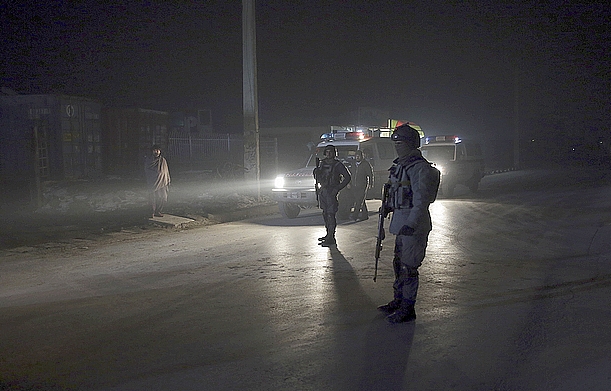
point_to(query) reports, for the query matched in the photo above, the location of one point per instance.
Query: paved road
(515, 295)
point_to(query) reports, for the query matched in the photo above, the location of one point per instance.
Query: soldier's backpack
(435, 181)
(434, 178)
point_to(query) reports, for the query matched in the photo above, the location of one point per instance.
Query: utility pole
(249, 94)
(37, 167)
(516, 117)
(519, 61)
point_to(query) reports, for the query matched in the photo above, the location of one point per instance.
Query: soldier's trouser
(330, 223)
(360, 207)
(409, 254)
(329, 205)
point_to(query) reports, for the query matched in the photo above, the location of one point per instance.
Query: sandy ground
(98, 210)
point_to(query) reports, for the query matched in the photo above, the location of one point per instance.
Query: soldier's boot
(327, 236)
(406, 286)
(325, 217)
(406, 313)
(331, 225)
(330, 241)
(391, 307)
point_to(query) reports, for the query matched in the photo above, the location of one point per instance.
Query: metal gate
(214, 150)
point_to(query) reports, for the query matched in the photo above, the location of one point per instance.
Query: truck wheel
(288, 210)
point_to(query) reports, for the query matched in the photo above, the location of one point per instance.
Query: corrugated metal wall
(69, 137)
(81, 137)
(66, 129)
(16, 142)
(129, 134)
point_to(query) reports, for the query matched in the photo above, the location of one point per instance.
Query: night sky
(452, 67)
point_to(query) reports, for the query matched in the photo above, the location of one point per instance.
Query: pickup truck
(460, 162)
(294, 190)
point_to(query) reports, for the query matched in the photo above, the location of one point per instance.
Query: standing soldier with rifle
(331, 176)
(413, 187)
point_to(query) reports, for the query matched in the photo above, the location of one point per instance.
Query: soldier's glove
(386, 211)
(406, 230)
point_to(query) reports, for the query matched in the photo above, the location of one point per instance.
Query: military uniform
(413, 187)
(331, 177)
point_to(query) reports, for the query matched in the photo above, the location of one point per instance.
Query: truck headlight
(279, 182)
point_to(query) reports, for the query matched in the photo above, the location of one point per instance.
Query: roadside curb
(169, 220)
(243, 214)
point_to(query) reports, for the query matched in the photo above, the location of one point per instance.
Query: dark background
(452, 67)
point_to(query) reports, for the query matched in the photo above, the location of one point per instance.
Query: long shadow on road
(373, 353)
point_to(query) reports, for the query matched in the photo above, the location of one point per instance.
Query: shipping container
(52, 136)
(128, 134)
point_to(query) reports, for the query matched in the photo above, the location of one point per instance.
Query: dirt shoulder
(79, 212)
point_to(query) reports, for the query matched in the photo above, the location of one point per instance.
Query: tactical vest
(401, 194)
(324, 173)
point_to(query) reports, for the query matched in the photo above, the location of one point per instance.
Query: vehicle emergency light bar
(442, 139)
(343, 135)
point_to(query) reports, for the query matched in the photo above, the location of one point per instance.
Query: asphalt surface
(515, 295)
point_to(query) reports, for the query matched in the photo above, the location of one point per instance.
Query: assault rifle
(382, 213)
(316, 187)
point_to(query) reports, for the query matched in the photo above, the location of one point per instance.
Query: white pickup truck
(295, 191)
(460, 162)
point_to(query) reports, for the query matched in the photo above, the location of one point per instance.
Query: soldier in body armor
(362, 181)
(331, 177)
(413, 187)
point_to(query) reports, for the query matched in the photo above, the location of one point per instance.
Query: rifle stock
(382, 213)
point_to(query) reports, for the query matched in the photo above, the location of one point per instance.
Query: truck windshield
(344, 152)
(438, 154)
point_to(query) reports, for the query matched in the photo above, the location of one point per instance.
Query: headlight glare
(279, 182)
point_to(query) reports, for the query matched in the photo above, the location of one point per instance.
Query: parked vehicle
(460, 162)
(295, 190)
